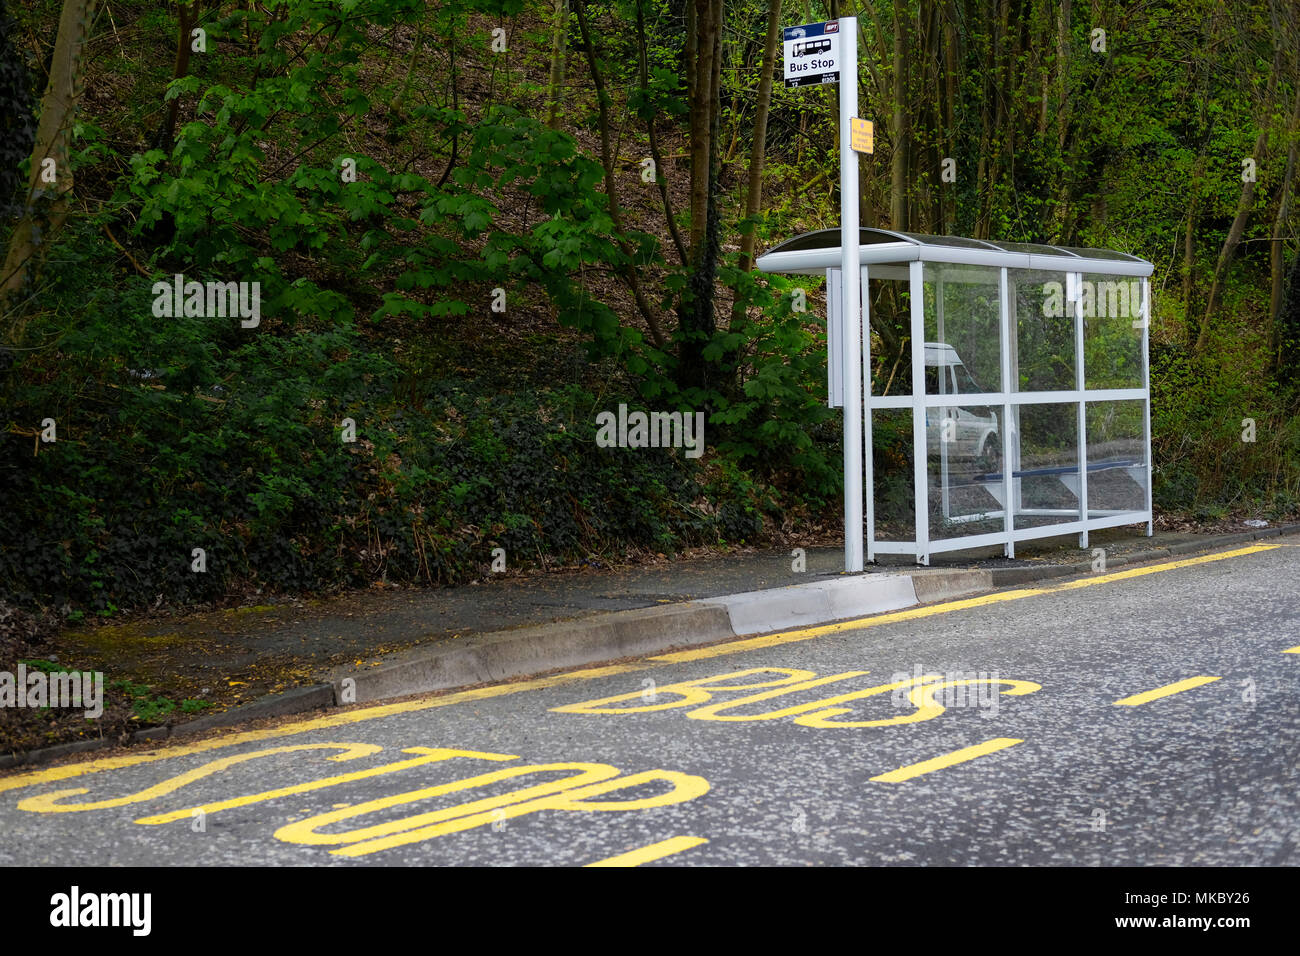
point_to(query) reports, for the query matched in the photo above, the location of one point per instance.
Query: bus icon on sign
(809, 47)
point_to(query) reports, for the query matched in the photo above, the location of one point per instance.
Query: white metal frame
(852, 333)
(849, 340)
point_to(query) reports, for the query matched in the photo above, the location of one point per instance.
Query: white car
(970, 433)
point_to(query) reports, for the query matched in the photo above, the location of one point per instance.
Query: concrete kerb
(653, 630)
(296, 701)
(1010, 577)
(46, 754)
(838, 599)
(659, 630)
(656, 630)
(941, 584)
(802, 605)
(534, 650)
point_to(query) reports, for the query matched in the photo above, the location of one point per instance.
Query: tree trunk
(188, 16)
(559, 41)
(611, 186)
(758, 152)
(899, 160)
(1063, 14)
(1000, 90)
(660, 179)
(1189, 241)
(1275, 251)
(691, 51)
(1288, 329)
(46, 208)
(1062, 72)
(1244, 205)
(695, 310)
(701, 118)
(1042, 21)
(948, 197)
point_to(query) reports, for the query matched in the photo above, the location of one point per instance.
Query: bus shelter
(1008, 395)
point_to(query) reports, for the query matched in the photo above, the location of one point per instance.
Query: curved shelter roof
(816, 251)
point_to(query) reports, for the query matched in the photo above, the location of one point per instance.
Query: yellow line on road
(655, 851)
(1167, 691)
(592, 673)
(805, 634)
(930, 610)
(303, 726)
(947, 760)
(1292, 650)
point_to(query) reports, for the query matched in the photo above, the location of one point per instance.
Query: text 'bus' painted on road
(919, 690)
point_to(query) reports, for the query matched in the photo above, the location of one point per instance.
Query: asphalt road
(1013, 728)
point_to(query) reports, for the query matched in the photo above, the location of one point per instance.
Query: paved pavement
(370, 625)
(245, 656)
(1147, 716)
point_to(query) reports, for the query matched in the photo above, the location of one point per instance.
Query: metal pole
(869, 464)
(834, 329)
(850, 281)
(942, 376)
(1081, 428)
(1010, 383)
(920, 435)
(1146, 386)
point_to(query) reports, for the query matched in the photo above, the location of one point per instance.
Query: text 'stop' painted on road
(579, 787)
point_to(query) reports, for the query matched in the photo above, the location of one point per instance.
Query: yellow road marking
(304, 726)
(713, 711)
(306, 831)
(685, 787)
(698, 691)
(655, 851)
(916, 613)
(1168, 690)
(804, 634)
(1292, 650)
(922, 698)
(67, 772)
(50, 802)
(431, 755)
(947, 760)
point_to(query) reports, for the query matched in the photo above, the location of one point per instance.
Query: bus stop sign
(812, 53)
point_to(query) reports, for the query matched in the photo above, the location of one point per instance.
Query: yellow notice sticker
(862, 135)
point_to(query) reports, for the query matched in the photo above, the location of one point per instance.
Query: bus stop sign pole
(851, 309)
(817, 53)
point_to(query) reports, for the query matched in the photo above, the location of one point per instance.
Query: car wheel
(989, 461)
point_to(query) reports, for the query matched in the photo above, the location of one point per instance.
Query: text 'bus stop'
(1010, 397)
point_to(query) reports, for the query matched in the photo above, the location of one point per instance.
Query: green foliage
(223, 204)
(151, 708)
(1204, 462)
(17, 124)
(190, 432)
(773, 414)
(227, 442)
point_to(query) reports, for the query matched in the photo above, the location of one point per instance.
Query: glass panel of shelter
(963, 349)
(1069, 332)
(1047, 485)
(888, 304)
